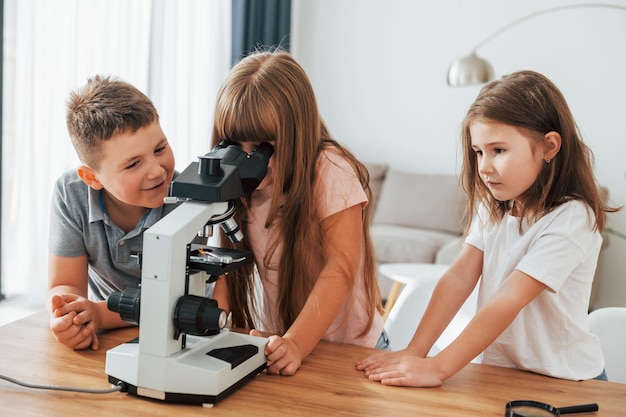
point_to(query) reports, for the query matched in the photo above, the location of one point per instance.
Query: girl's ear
(552, 145)
(89, 177)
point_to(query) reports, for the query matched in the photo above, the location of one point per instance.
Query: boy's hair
(268, 97)
(104, 107)
(532, 103)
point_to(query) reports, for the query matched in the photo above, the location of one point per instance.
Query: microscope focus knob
(127, 303)
(198, 316)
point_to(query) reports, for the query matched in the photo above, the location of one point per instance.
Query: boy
(100, 211)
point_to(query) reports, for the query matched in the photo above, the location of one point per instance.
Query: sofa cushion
(395, 243)
(449, 252)
(423, 201)
(377, 171)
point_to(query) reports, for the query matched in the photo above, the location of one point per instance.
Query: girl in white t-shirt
(533, 234)
(307, 223)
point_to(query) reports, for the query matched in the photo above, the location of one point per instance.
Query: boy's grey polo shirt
(79, 225)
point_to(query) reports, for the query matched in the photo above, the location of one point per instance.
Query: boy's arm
(68, 278)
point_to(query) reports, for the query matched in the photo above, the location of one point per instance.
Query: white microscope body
(174, 360)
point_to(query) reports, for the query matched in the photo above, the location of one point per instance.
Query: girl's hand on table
(283, 355)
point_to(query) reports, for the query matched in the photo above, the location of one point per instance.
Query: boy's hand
(73, 321)
(283, 355)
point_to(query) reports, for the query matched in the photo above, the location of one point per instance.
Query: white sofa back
(417, 216)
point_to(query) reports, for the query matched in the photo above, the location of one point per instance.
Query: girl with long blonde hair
(307, 223)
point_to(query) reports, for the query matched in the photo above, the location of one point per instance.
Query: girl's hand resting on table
(400, 368)
(283, 355)
(73, 321)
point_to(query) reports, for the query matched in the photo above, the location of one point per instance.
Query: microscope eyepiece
(265, 150)
(253, 168)
(225, 173)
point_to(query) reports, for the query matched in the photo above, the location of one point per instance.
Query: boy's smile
(161, 189)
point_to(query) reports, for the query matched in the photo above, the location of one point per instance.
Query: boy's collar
(95, 205)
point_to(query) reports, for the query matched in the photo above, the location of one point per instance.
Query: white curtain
(177, 52)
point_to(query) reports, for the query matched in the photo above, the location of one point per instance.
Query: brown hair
(531, 102)
(104, 107)
(268, 97)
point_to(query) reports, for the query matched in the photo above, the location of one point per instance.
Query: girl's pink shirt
(337, 188)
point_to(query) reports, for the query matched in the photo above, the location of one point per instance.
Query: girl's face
(248, 147)
(507, 160)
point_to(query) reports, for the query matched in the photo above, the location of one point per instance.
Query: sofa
(417, 217)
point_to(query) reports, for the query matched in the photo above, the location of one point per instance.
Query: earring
(547, 160)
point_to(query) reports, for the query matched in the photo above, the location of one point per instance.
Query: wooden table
(326, 385)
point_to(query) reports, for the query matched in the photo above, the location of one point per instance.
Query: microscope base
(174, 397)
(205, 372)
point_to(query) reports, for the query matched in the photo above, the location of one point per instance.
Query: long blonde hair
(267, 97)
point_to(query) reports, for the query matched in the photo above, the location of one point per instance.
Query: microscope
(184, 352)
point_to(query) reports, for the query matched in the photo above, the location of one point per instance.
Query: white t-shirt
(551, 334)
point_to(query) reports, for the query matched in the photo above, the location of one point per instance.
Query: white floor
(14, 307)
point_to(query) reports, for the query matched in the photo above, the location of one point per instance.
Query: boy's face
(136, 168)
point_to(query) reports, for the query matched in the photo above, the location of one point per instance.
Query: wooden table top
(326, 385)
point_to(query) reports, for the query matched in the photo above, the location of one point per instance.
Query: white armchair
(609, 324)
(409, 308)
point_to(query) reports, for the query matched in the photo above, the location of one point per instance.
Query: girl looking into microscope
(307, 223)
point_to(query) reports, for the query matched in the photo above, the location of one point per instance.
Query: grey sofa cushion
(395, 243)
(422, 201)
(377, 173)
(449, 251)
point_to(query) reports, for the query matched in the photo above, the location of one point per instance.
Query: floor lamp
(473, 69)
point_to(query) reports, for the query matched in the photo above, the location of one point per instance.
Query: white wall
(379, 70)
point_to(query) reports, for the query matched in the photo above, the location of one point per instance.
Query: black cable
(61, 388)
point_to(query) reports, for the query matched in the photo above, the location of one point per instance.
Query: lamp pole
(543, 12)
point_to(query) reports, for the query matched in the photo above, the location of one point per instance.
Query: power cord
(61, 388)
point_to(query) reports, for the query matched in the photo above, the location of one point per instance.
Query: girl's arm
(451, 291)
(514, 293)
(343, 242)
(220, 293)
